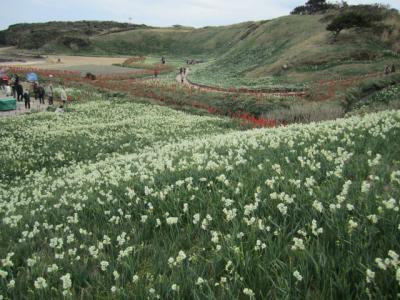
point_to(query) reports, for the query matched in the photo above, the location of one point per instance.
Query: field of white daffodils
(132, 201)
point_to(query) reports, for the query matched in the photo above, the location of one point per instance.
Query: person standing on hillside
(63, 96)
(393, 68)
(27, 99)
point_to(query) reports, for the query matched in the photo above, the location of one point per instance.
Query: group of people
(390, 69)
(13, 87)
(193, 61)
(16, 89)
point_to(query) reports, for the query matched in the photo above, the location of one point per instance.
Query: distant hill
(68, 35)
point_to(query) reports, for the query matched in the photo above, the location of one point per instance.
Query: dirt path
(35, 107)
(183, 79)
(328, 85)
(94, 64)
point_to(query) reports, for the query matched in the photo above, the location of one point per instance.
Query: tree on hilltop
(347, 20)
(312, 7)
(315, 6)
(357, 17)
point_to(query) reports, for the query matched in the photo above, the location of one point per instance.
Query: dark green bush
(360, 16)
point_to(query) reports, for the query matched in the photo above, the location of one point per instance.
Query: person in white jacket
(8, 91)
(63, 95)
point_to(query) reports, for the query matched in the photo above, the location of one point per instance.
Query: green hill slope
(291, 49)
(172, 41)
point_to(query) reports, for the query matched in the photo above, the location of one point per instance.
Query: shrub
(368, 87)
(75, 43)
(360, 16)
(312, 7)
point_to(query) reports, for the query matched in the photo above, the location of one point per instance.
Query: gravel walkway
(35, 107)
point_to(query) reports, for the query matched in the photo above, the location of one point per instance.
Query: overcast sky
(196, 13)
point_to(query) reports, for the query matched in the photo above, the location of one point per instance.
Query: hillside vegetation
(289, 49)
(66, 35)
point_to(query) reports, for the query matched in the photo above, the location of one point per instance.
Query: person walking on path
(20, 92)
(8, 91)
(27, 99)
(182, 74)
(41, 92)
(50, 94)
(63, 96)
(14, 82)
(387, 70)
(2, 84)
(35, 90)
(15, 86)
(5, 81)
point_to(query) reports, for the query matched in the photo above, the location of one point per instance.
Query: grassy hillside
(296, 49)
(172, 41)
(65, 35)
(290, 49)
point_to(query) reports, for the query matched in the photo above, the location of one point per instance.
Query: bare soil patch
(96, 65)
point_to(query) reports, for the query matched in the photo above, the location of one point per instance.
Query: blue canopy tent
(31, 77)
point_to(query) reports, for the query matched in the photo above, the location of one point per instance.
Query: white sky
(196, 13)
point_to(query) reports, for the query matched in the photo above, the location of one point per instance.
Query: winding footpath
(329, 85)
(183, 79)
